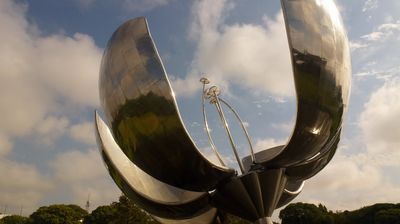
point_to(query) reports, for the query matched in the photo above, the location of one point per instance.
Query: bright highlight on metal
(152, 158)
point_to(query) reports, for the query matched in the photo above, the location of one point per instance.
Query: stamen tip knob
(204, 80)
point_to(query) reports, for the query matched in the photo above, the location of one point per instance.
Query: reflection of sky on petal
(333, 11)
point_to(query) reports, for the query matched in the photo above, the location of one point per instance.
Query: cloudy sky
(50, 53)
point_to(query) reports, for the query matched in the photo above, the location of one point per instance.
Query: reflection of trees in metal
(147, 128)
(154, 196)
(152, 158)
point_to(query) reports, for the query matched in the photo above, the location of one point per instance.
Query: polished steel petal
(261, 157)
(292, 190)
(321, 68)
(205, 218)
(142, 113)
(311, 167)
(156, 197)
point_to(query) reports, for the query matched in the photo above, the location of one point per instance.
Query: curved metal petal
(312, 167)
(205, 218)
(321, 68)
(296, 187)
(141, 110)
(154, 196)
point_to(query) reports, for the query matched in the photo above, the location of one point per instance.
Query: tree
(15, 219)
(389, 216)
(58, 214)
(102, 215)
(129, 213)
(121, 212)
(303, 213)
(377, 213)
(383, 213)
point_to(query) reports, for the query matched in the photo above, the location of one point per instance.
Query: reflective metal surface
(141, 111)
(154, 196)
(321, 69)
(140, 181)
(292, 190)
(265, 220)
(311, 167)
(207, 217)
(251, 196)
(152, 158)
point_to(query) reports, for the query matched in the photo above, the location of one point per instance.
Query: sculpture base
(265, 220)
(252, 196)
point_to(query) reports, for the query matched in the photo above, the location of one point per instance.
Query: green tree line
(121, 212)
(303, 213)
(125, 212)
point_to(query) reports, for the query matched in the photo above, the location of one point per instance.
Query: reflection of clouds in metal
(153, 159)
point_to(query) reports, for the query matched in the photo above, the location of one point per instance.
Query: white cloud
(379, 47)
(41, 75)
(22, 185)
(358, 176)
(206, 19)
(384, 31)
(374, 36)
(83, 132)
(369, 5)
(361, 178)
(212, 157)
(68, 66)
(52, 125)
(285, 128)
(385, 74)
(248, 55)
(379, 125)
(76, 166)
(390, 26)
(268, 143)
(347, 184)
(50, 129)
(46, 80)
(79, 174)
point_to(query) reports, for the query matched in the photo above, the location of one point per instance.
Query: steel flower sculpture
(152, 158)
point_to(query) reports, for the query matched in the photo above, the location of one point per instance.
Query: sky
(50, 54)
